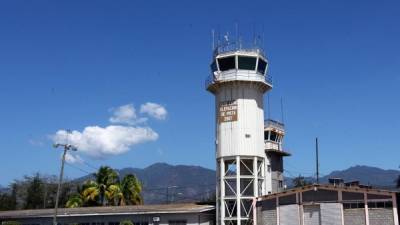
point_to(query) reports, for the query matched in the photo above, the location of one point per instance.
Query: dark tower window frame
(261, 66)
(247, 62)
(227, 63)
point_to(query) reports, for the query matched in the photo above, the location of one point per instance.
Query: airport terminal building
(328, 205)
(168, 214)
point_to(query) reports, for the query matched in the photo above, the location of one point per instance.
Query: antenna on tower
(282, 113)
(237, 35)
(268, 107)
(317, 158)
(213, 39)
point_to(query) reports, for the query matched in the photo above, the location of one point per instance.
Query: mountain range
(164, 183)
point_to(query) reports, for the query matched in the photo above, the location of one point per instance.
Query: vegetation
(300, 181)
(126, 222)
(107, 189)
(39, 191)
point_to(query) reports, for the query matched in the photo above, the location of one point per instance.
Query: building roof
(108, 210)
(328, 187)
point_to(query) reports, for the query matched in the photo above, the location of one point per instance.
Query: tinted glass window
(273, 136)
(261, 66)
(247, 63)
(213, 66)
(227, 63)
(266, 135)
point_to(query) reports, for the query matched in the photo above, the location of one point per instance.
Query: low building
(171, 214)
(328, 205)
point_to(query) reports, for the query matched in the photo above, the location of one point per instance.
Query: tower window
(274, 136)
(213, 66)
(247, 63)
(227, 63)
(261, 66)
(266, 135)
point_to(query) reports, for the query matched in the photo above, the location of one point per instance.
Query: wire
(77, 168)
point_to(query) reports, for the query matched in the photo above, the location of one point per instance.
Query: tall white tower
(239, 80)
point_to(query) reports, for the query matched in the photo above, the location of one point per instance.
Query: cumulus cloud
(101, 142)
(126, 114)
(73, 159)
(154, 110)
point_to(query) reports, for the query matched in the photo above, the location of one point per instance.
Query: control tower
(238, 81)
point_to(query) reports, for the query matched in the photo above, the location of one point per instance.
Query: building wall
(312, 215)
(380, 216)
(354, 216)
(289, 215)
(190, 218)
(331, 213)
(267, 217)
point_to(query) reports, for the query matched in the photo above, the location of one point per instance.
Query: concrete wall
(331, 213)
(380, 216)
(354, 216)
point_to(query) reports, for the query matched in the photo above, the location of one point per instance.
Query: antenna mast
(317, 158)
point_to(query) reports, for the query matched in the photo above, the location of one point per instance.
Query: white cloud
(73, 159)
(101, 142)
(155, 110)
(126, 114)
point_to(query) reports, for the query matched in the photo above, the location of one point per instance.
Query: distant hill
(368, 175)
(195, 183)
(163, 182)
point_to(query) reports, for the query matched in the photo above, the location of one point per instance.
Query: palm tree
(131, 189)
(108, 190)
(105, 177)
(74, 201)
(115, 195)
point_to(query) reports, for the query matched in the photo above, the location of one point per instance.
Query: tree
(105, 177)
(132, 188)
(107, 189)
(35, 191)
(126, 222)
(74, 201)
(300, 181)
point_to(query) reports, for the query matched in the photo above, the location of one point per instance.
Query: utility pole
(317, 159)
(66, 148)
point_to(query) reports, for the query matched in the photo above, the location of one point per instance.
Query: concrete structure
(171, 214)
(238, 81)
(274, 132)
(328, 205)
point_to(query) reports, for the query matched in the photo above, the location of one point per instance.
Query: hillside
(181, 183)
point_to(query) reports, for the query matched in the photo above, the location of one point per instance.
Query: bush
(125, 222)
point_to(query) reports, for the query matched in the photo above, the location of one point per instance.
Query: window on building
(280, 184)
(266, 135)
(227, 63)
(262, 65)
(247, 63)
(273, 136)
(213, 66)
(387, 204)
(353, 205)
(177, 222)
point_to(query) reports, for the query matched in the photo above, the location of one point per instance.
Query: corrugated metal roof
(108, 210)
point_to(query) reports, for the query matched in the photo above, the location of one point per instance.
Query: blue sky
(71, 64)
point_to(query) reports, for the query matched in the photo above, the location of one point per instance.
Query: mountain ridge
(163, 183)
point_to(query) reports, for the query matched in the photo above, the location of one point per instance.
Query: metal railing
(237, 46)
(270, 122)
(211, 79)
